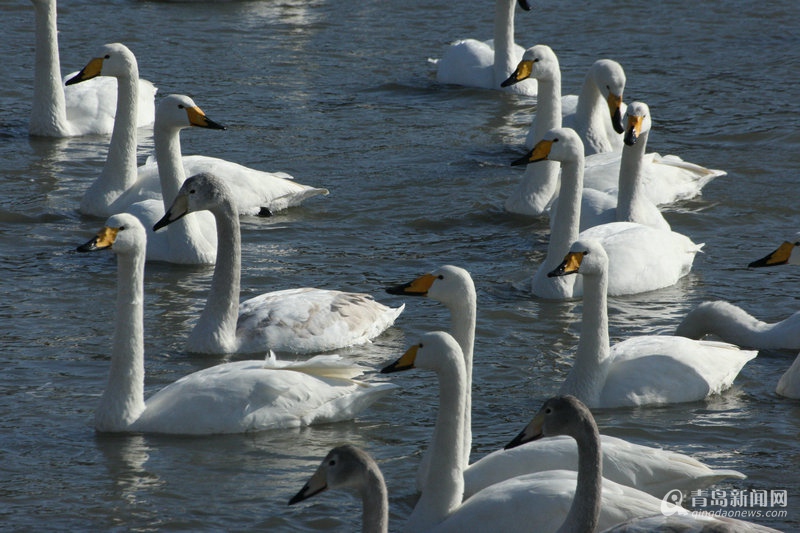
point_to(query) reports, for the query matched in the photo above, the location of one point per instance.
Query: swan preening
(304, 320)
(121, 183)
(511, 505)
(641, 370)
(486, 64)
(234, 397)
(641, 258)
(60, 111)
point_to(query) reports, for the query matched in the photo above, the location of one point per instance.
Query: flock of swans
(586, 169)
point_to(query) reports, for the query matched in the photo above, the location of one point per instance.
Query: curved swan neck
(631, 197)
(462, 324)
(590, 116)
(548, 107)
(585, 509)
(567, 217)
(504, 58)
(217, 323)
(48, 115)
(123, 399)
(171, 173)
(375, 502)
(727, 321)
(444, 487)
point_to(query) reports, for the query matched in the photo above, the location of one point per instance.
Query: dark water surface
(341, 95)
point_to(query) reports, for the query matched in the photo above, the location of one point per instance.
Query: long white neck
(123, 399)
(589, 369)
(375, 503)
(462, 327)
(567, 216)
(631, 201)
(215, 331)
(585, 508)
(49, 113)
(171, 174)
(735, 325)
(505, 60)
(592, 118)
(120, 169)
(444, 487)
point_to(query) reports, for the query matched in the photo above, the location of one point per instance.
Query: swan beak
(524, 5)
(522, 72)
(104, 239)
(178, 210)
(778, 257)
(418, 287)
(406, 362)
(533, 431)
(615, 108)
(91, 70)
(540, 152)
(199, 119)
(315, 485)
(634, 130)
(570, 265)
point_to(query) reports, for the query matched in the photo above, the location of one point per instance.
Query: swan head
(787, 253)
(433, 352)
(179, 111)
(113, 59)
(609, 78)
(585, 256)
(639, 122)
(448, 284)
(345, 467)
(123, 233)
(538, 62)
(200, 192)
(561, 415)
(558, 144)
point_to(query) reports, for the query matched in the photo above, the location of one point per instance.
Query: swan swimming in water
(236, 397)
(60, 111)
(304, 320)
(474, 63)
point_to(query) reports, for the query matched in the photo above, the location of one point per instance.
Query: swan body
(651, 470)
(304, 320)
(349, 467)
(641, 258)
(510, 505)
(453, 287)
(229, 398)
(735, 325)
(60, 111)
(121, 183)
(642, 370)
(486, 64)
(663, 180)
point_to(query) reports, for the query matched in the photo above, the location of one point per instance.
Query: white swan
(304, 320)
(648, 369)
(453, 287)
(664, 180)
(566, 415)
(350, 467)
(509, 506)
(642, 258)
(254, 190)
(60, 111)
(228, 398)
(486, 64)
(735, 325)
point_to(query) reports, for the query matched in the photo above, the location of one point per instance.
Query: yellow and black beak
(540, 152)
(199, 119)
(418, 287)
(615, 108)
(406, 362)
(778, 257)
(103, 240)
(178, 210)
(521, 73)
(315, 485)
(532, 432)
(570, 265)
(634, 130)
(91, 70)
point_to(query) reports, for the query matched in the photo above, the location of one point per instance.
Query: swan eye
(441, 276)
(555, 140)
(122, 228)
(191, 191)
(108, 56)
(180, 106)
(332, 462)
(420, 345)
(548, 411)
